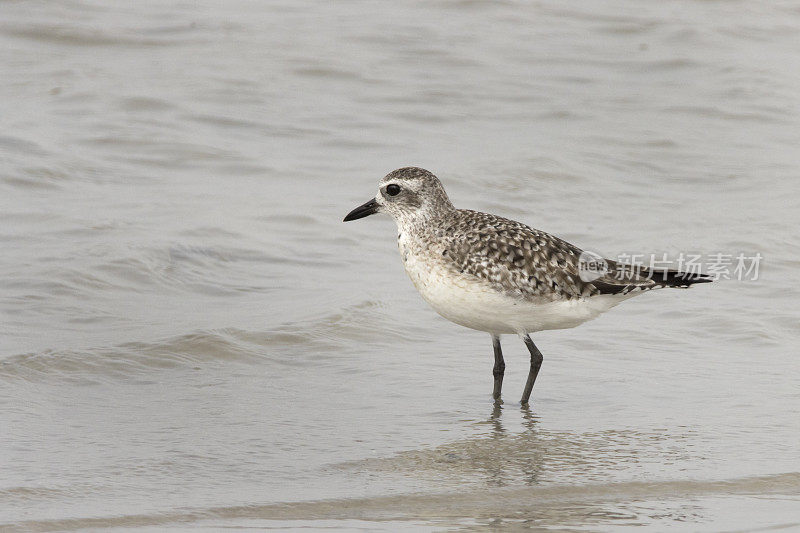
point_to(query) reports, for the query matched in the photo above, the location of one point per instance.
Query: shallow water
(190, 337)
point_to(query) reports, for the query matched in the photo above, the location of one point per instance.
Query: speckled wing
(521, 261)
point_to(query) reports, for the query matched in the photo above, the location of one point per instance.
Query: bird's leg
(499, 367)
(536, 364)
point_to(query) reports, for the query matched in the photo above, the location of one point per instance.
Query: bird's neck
(423, 224)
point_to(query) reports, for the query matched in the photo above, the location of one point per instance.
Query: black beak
(365, 210)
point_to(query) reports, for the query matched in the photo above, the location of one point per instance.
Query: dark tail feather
(675, 278)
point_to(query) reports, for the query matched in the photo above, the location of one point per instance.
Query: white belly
(475, 304)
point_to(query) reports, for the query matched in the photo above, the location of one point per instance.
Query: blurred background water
(190, 337)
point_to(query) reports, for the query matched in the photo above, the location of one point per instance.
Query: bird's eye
(392, 189)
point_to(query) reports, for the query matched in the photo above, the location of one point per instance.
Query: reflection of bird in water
(494, 418)
(500, 276)
(505, 455)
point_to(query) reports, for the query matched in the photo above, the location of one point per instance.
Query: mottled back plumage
(529, 263)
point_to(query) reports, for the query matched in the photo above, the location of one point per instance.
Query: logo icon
(591, 266)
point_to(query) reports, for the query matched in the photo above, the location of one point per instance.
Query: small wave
(20, 145)
(37, 493)
(179, 267)
(145, 103)
(125, 360)
(767, 115)
(326, 72)
(321, 338)
(75, 36)
(560, 503)
(141, 358)
(226, 121)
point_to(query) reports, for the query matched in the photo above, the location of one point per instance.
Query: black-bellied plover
(500, 276)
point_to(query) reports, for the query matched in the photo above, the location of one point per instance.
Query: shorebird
(500, 276)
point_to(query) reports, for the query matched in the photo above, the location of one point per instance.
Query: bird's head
(408, 195)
